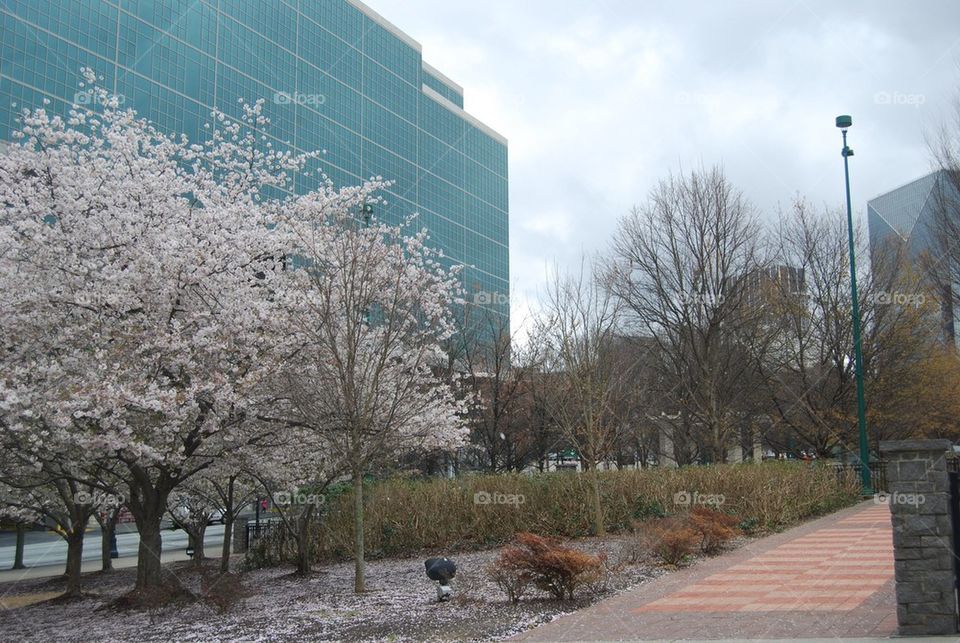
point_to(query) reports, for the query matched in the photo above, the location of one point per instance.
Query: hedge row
(407, 515)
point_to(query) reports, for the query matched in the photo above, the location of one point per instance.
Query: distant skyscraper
(334, 75)
(907, 217)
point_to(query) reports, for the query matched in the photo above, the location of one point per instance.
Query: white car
(180, 513)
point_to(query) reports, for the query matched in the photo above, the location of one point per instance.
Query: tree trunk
(227, 541)
(598, 527)
(106, 562)
(229, 513)
(196, 536)
(358, 561)
(21, 540)
(149, 574)
(303, 541)
(199, 555)
(108, 529)
(74, 560)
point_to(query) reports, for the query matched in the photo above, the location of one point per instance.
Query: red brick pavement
(831, 577)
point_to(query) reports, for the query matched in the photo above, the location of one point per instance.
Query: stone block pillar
(667, 456)
(919, 500)
(735, 453)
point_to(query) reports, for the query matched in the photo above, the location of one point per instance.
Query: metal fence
(953, 465)
(264, 528)
(878, 473)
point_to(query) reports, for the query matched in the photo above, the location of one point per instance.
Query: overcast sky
(599, 100)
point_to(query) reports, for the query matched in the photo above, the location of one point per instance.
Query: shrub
(546, 564)
(513, 582)
(405, 515)
(635, 550)
(599, 583)
(715, 528)
(673, 539)
(748, 525)
(644, 508)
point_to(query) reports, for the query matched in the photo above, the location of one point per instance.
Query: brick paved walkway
(832, 577)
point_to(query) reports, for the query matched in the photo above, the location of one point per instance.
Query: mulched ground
(274, 605)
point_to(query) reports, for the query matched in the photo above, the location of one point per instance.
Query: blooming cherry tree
(137, 274)
(32, 490)
(370, 311)
(166, 305)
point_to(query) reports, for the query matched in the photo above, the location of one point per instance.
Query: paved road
(45, 548)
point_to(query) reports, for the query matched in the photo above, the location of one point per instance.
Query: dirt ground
(274, 605)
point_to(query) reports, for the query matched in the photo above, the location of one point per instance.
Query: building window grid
(241, 48)
(443, 89)
(323, 50)
(451, 125)
(88, 23)
(269, 19)
(194, 24)
(49, 58)
(391, 52)
(378, 161)
(381, 126)
(168, 62)
(346, 18)
(339, 103)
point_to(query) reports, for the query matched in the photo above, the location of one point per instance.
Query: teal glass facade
(333, 74)
(908, 216)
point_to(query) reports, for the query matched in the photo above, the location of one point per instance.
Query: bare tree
(688, 266)
(579, 329)
(496, 370)
(810, 374)
(638, 437)
(370, 312)
(810, 368)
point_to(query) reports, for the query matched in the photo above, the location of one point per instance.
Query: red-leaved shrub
(673, 539)
(544, 563)
(715, 528)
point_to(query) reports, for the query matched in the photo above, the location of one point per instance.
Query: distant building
(906, 217)
(774, 281)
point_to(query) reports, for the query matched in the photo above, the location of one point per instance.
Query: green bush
(405, 515)
(644, 509)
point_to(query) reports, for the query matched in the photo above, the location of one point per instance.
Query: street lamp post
(844, 122)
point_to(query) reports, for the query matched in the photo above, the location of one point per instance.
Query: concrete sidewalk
(829, 578)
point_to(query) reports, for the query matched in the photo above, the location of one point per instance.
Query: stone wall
(919, 500)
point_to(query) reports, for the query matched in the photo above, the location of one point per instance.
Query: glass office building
(907, 217)
(334, 76)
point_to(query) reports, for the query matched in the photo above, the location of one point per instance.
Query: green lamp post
(844, 122)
